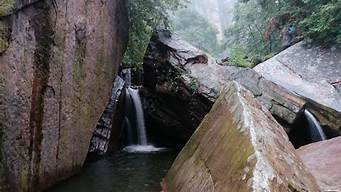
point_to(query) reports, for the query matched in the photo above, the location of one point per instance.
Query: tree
(259, 25)
(144, 16)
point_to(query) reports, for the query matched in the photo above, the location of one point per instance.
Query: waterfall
(129, 131)
(316, 131)
(141, 128)
(142, 140)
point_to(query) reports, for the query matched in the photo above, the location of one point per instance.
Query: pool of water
(123, 171)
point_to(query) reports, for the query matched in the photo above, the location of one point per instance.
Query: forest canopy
(256, 34)
(259, 25)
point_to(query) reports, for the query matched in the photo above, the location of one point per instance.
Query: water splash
(142, 140)
(143, 149)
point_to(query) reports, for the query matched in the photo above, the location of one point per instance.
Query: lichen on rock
(6, 6)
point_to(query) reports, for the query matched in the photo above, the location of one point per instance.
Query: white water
(315, 127)
(142, 149)
(142, 145)
(141, 128)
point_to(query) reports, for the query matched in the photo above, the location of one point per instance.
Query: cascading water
(141, 128)
(316, 131)
(142, 140)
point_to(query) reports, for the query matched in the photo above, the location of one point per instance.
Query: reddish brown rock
(56, 74)
(323, 160)
(238, 147)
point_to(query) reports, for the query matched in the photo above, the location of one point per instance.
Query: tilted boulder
(239, 146)
(313, 73)
(323, 160)
(182, 82)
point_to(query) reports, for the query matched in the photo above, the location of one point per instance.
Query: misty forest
(170, 95)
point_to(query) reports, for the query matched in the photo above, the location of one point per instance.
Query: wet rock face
(323, 160)
(238, 147)
(314, 74)
(106, 136)
(56, 74)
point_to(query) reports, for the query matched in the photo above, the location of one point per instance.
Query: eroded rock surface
(238, 147)
(323, 160)
(56, 71)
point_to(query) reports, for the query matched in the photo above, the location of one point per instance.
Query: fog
(204, 22)
(218, 12)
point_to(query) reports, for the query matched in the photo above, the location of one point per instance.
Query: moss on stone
(6, 6)
(4, 36)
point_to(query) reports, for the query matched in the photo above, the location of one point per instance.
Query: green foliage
(251, 32)
(144, 16)
(324, 24)
(239, 58)
(259, 25)
(197, 30)
(194, 84)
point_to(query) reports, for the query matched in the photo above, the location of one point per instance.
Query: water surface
(121, 172)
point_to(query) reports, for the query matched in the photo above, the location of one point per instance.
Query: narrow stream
(121, 172)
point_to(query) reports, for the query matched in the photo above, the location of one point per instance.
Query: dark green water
(121, 172)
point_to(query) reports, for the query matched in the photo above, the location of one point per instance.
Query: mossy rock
(6, 7)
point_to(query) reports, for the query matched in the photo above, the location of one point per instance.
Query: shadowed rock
(182, 82)
(106, 136)
(238, 147)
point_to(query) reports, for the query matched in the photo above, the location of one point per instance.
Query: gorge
(75, 117)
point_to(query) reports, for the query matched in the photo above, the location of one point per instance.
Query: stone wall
(57, 62)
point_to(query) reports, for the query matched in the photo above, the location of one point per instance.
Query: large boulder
(181, 83)
(313, 73)
(57, 63)
(323, 160)
(239, 146)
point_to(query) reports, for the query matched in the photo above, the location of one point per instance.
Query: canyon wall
(58, 59)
